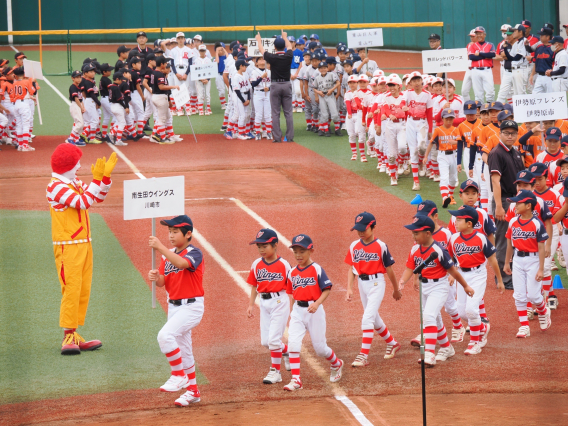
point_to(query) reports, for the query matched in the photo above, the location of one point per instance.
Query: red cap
(65, 157)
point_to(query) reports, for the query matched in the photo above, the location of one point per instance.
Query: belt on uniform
(179, 302)
(398, 120)
(507, 70)
(520, 67)
(418, 119)
(475, 268)
(525, 253)
(481, 68)
(425, 280)
(302, 304)
(279, 80)
(366, 277)
(269, 295)
(262, 90)
(448, 152)
(542, 74)
(558, 78)
(565, 231)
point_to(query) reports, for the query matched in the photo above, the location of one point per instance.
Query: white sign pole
(9, 15)
(153, 264)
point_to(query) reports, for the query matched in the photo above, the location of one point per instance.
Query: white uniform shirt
(256, 74)
(418, 104)
(561, 60)
(519, 49)
(312, 73)
(240, 82)
(370, 66)
(181, 56)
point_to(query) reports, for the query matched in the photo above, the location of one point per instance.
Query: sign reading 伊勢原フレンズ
(540, 107)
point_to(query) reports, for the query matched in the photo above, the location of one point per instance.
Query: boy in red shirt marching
(526, 235)
(181, 272)
(309, 286)
(435, 286)
(370, 259)
(267, 277)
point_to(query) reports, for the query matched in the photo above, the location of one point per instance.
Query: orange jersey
(488, 131)
(7, 90)
(22, 88)
(446, 139)
(466, 131)
(563, 126)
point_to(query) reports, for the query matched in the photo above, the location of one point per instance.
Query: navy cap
(434, 36)
(557, 39)
(484, 107)
(265, 236)
(479, 29)
(338, 45)
(141, 34)
(509, 124)
(303, 241)
(470, 183)
(508, 107)
(135, 60)
(520, 27)
(503, 115)
(76, 74)
(549, 25)
(312, 45)
(342, 49)
(478, 104)
(308, 53)
(322, 64)
(279, 43)
(564, 140)
(524, 196)
(470, 107)
(448, 113)
(526, 23)
(355, 58)
(331, 60)
(553, 133)
(426, 208)
(241, 62)
(158, 51)
(88, 67)
(539, 169)
(363, 221)
(466, 212)
(348, 62)
(315, 36)
(496, 105)
(524, 176)
(178, 222)
(421, 223)
(545, 31)
(564, 160)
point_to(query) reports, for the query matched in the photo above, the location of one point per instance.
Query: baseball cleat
(544, 320)
(264, 135)
(258, 136)
(321, 133)
(530, 314)
(421, 171)
(394, 182)
(249, 136)
(25, 148)
(201, 112)
(473, 349)
(483, 337)
(392, 350)
(382, 168)
(228, 135)
(286, 358)
(453, 201)
(272, 377)
(155, 139)
(406, 170)
(223, 129)
(400, 169)
(363, 159)
(436, 178)
(354, 157)
(416, 341)
(242, 137)
(373, 154)
(190, 397)
(167, 141)
(553, 302)
(485, 320)
(175, 384)
(335, 374)
(269, 135)
(446, 202)
(360, 361)
(524, 332)
(338, 132)
(561, 259)
(309, 128)
(445, 353)
(457, 334)
(429, 359)
(416, 186)
(467, 329)
(294, 385)
(327, 134)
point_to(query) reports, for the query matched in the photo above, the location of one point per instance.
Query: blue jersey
(221, 64)
(297, 59)
(543, 59)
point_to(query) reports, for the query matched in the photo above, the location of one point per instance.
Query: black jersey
(90, 90)
(75, 92)
(103, 86)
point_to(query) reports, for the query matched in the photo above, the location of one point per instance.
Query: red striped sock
(443, 337)
(474, 332)
(541, 308)
(367, 340)
(174, 358)
(362, 148)
(415, 172)
(334, 361)
(191, 376)
(482, 312)
(523, 319)
(547, 285)
(430, 337)
(384, 333)
(276, 357)
(444, 191)
(457, 321)
(295, 365)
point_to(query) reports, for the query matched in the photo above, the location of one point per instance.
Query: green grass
(120, 315)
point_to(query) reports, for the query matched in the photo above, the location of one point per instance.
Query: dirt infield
(295, 191)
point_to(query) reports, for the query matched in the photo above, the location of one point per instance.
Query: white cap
(197, 37)
(374, 81)
(202, 47)
(505, 27)
(363, 77)
(353, 77)
(451, 81)
(394, 79)
(472, 32)
(378, 73)
(381, 79)
(172, 40)
(180, 34)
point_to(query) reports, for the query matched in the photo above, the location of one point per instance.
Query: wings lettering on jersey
(363, 256)
(462, 248)
(298, 281)
(169, 268)
(519, 233)
(264, 275)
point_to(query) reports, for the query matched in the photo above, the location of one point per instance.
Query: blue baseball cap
(564, 160)
(557, 39)
(355, 58)
(539, 169)
(304, 37)
(303, 241)
(496, 106)
(348, 62)
(314, 36)
(265, 236)
(470, 107)
(503, 115)
(466, 212)
(524, 176)
(312, 45)
(524, 196)
(554, 133)
(479, 29)
(363, 221)
(279, 43)
(342, 49)
(178, 222)
(331, 60)
(300, 42)
(508, 107)
(241, 62)
(470, 183)
(291, 39)
(564, 140)
(426, 208)
(338, 45)
(421, 223)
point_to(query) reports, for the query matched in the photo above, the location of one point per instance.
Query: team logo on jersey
(462, 248)
(303, 282)
(259, 234)
(363, 256)
(359, 219)
(170, 269)
(298, 238)
(264, 275)
(521, 234)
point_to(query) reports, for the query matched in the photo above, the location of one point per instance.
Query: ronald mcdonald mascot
(69, 201)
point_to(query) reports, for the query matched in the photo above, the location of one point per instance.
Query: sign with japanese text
(181, 96)
(201, 72)
(252, 49)
(540, 107)
(32, 69)
(444, 60)
(155, 197)
(365, 38)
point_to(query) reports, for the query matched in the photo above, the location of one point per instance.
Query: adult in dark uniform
(141, 50)
(280, 86)
(435, 42)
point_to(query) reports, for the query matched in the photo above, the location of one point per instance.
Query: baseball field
(234, 188)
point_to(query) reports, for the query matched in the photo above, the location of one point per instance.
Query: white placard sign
(155, 197)
(200, 72)
(444, 60)
(181, 96)
(365, 38)
(252, 46)
(540, 107)
(32, 69)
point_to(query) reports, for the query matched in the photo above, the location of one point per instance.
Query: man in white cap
(466, 85)
(181, 55)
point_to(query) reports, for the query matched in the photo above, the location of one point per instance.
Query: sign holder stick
(447, 96)
(38, 110)
(153, 265)
(191, 125)
(422, 355)
(542, 134)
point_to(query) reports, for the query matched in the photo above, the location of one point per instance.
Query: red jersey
(184, 283)
(307, 284)
(552, 200)
(269, 277)
(373, 258)
(486, 47)
(393, 106)
(554, 175)
(484, 225)
(437, 268)
(540, 211)
(525, 236)
(470, 251)
(442, 237)
(420, 106)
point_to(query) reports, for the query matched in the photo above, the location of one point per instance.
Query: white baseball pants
(395, 138)
(220, 84)
(560, 84)
(261, 102)
(451, 305)
(468, 307)
(328, 109)
(486, 192)
(274, 315)
(176, 332)
(434, 296)
(542, 84)
(107, 112)
(519, 81)
(483, 86)
(526, 287)
(136, 107)
(448, 171)
(77, 116)
(3, 120)
(23, 117)
(466, 86)
(506, 89)
(300, 322)
(119, 114)
(162, 109)
(417, 138)
(11, 110)
(360, 128)
(548, 260)
(372, 293)
(203, 93)
(31, 106)
(150, 109)
(351, 126)
(91, 115)
(527, 73)
(296, 92)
